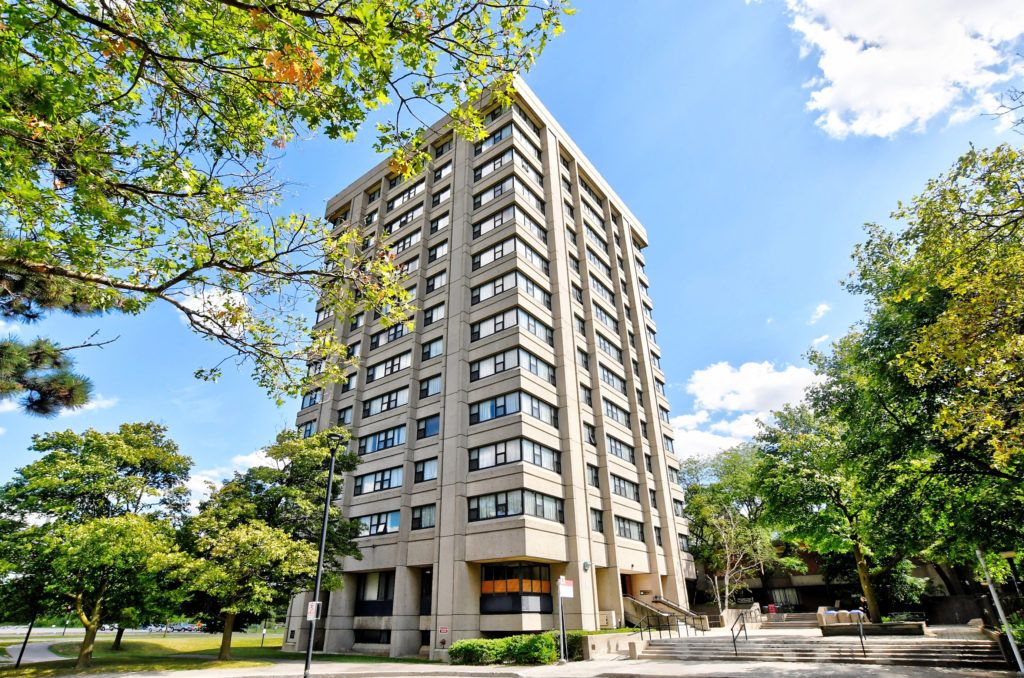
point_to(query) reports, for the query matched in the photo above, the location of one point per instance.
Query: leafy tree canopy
(137, 164)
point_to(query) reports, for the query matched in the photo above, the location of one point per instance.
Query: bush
(536, 649)
(529, 649)
(473, 651)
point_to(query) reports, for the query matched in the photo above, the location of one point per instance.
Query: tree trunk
(953, 588)
(85, 652)
(865, 584)
(117, 639)
(225, 640)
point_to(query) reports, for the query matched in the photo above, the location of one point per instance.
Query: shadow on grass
(275, 653)
(122, 665)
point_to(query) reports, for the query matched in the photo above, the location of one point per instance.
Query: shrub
(540, 648)
(472, 651)
(529, 649)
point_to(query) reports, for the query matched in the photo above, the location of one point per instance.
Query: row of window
(510, 359)
(511, 280)
(515, 503)
(511, 403)
(510, 246)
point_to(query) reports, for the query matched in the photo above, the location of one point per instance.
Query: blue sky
(752, 140)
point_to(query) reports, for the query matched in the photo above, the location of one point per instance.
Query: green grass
(172, 653)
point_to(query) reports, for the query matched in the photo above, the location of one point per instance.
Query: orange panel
(487, 587)
(513, 585)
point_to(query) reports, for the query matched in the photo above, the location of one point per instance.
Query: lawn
(175, 652)
(143, 653)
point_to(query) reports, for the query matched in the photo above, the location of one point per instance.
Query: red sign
(771, 608)
(443, 629)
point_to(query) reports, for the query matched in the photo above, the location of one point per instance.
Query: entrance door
(626, 582)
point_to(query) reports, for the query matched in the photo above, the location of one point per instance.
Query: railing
(860, 631)
(699, 622)
(734, 632)
(661, 623)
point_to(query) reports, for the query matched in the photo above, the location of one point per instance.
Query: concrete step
(924, 652)
(790, 625)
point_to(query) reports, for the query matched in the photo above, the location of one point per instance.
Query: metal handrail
(734, 633)
(860, 630)
(669, 622)
(694, 618)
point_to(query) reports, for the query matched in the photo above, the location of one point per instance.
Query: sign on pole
(565, 587)
(313, 611)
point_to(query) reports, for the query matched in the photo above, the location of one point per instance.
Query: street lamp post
(334, 441)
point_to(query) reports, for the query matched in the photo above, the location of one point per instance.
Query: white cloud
(213, 305)
(9, 405)
(2, 430)
(688, 422)
(729, 401)
(769, 321)
(199, 481)
(9, 328)
(819, 312)
(818, 340)
(753, 387)
(97, 403)
(888, 66)
(743, 426)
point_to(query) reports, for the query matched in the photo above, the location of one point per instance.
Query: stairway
(791, 620)
(982, 654)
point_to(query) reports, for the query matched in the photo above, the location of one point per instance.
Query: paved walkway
(35, 651)
(610, 668)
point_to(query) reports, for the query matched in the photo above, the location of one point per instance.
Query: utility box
(606, 619)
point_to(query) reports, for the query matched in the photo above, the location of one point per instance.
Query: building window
(383, 337)
(386, 401)
(423, 517)
(432, 349)
(625, 488)
(620, 449)
(357, 321)
(512, 451)
(515, 588)
(443, 147)
(515, 503)
(574, 263)
(507, 360)
(441, 196)
(609, 347)
(428, 426)
(612, 379)
(375, 594)
(443, 171)
(349, 382)
(657, 534)
(586, 395)
(513, 279)
(383, 440)
(431, 386)
(379, 523)
(307, 429)
(437, 251)
(684, 543)
(372, 195)
(433, 314)
(582, 359)
(648, 464)
(388, 367)
(438, 223)
(629, 529)
(589, 433)
(378, 481)
(593, 476)
(512, 318)
(508, 215)
(663, 414)
(511, 403)
(678, 508)
(577, 293)
(670, 445)
(311, 398)
(436, 282)
(654, 499)
(405, 243)
(406, 218)
(596, 520)
(425, 470)
(345, 416)
(406, 195)
(581, 325)
(605, 317)
(616, 413)
(371, 636)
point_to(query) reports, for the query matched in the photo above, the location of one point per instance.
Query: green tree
(91, 523)
(725, 512)
(138, 142)
(256, 539)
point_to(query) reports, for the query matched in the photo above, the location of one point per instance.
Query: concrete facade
(577, 325)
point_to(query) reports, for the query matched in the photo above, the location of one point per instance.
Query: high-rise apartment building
(520, 432)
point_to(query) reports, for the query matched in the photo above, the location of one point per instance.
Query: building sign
(565, 587)
(443, 629)
(313, 611)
